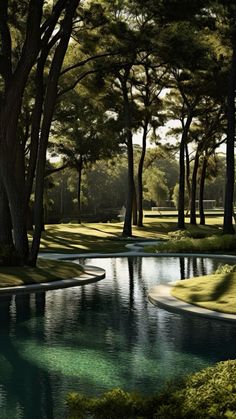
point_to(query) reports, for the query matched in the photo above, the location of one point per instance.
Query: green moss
(46, 270)
(208, 394)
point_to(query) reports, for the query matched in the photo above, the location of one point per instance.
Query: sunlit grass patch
(46, 270)
(214, 292)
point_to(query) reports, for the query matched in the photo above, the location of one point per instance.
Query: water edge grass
(46, 270)
(214, 292)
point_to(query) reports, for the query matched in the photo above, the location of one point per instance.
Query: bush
(179, 234)
(208, 394)
(183, 244)
(225, 269)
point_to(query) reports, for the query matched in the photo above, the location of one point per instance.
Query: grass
(212, 244)
(214, 292)
(107, 237)
(46, 270)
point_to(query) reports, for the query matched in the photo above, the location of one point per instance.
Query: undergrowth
(208, 394)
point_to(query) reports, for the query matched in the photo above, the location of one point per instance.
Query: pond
(103, 335)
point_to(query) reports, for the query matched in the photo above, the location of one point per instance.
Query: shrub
(208, 394)
(191, 245)
(179, 234)
(225, 269)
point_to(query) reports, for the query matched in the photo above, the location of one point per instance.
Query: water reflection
(102, 335)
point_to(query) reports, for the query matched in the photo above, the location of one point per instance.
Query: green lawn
(214, 292)
(47, 270)
(107, 237)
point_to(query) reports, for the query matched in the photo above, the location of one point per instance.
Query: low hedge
(208, 394)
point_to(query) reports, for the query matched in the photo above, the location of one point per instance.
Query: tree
(155, 186)
(83, 133)
(40, 38)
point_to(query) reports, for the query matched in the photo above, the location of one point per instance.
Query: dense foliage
(81, 79)
(208, 394)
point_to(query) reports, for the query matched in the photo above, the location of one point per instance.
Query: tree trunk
(229, 186)
(135, 209)
(193, 220)
(35, 129)
(181, 223)
(50, 100)
(127, 229)
(6, 226)
(79, 170)
(188, 185)
(140, 174)
(14, 188)
(201, 191)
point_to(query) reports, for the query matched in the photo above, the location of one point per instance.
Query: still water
(103, 335)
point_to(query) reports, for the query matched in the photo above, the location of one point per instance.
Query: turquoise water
(101, 336)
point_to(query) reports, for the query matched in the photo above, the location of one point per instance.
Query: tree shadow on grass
(79, 242)
(221, 288)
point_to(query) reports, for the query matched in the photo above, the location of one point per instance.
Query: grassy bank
(214, 292)
(182, 244)
(46, 270)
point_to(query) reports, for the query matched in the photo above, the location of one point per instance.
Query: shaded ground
(107, 237)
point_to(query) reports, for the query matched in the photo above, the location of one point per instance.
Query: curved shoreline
(90, 275)
(160, 296)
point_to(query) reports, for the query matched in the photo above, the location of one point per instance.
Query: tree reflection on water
(103, 335)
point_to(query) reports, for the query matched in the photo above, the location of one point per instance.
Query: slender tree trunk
(188, 184)
(79, 170)
(127, 228)
(229, 187)
(193, 220)
(140, 174)
(181, 223)
(135, 209)
(201, 191)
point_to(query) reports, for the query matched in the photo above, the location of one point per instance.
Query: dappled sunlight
(106, 237)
